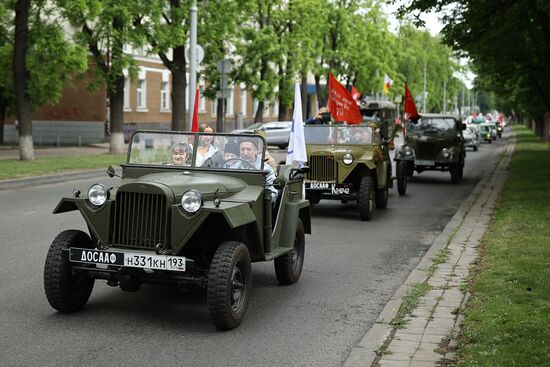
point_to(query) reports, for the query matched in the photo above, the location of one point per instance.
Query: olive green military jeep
(434, 142)
(170, 221)
(352, 162)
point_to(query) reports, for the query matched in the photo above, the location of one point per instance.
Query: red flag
(409, 109)
(195, 123)
(355, 93)
(341, 104)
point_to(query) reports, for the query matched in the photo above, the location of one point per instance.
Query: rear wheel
(381, 195)
(401, 177)
(366, 198)
(455, 173)
(229, 284)
(67, 290)
(288, 267)
(475, 148)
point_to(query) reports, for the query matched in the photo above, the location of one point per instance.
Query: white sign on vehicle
(420, 162)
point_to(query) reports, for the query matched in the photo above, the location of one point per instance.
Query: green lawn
(508, 316)
(14, 168)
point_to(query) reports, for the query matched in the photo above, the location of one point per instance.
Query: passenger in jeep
(251, 158)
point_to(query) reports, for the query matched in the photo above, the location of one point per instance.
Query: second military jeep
(170, 221)
(352, 162)
(433, 142)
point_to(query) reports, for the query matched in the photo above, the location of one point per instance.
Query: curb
(367, 350)
(49, 179)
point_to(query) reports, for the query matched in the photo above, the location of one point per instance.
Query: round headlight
(191, 201)
(347, 159)
(445, 153)
(407, 150)
(98, 194)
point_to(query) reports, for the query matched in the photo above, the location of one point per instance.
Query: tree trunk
(3, 108)
(21, 77)
(116, 116)
(545, 127)
(259, 112)
(283, 107)
(179, 83)
(220, 112)
(305, 107)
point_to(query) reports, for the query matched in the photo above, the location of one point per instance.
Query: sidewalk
(425, 335)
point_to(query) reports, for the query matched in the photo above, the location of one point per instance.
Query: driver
(250, 154)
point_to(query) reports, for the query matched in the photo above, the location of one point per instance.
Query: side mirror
(298, 171)
(279, 183)
(111, 172)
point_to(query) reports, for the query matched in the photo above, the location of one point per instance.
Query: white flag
(297, 142)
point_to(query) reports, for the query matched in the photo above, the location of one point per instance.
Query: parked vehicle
(434, 142)
(170, 221)
(276, 132)
(471, 137)
(352, 162)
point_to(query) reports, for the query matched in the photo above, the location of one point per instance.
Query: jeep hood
(206, 183)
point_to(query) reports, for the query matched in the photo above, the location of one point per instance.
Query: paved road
(351, 270)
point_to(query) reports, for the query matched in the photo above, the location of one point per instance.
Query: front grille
(322, 168)
(141, 220)
(426, 151)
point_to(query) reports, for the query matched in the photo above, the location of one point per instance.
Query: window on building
(229, 110)
(243, 101)
(126, 93)
(141, 94)
(164, 96)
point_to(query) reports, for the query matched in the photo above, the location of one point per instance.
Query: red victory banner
(409, 108)
(355, 93)
(341, 104)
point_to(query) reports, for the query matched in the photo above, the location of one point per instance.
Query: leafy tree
(259, 53)
(42, 62)
(165, 25)
(104, 26)
(509, 44)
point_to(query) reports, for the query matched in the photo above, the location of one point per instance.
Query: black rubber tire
(65, 291)
(314, 199)
(455, 173)
(230, 273)
(401, 178)
(366, 198)
(288, 267)
(475, 148)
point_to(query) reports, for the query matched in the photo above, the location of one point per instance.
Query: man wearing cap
(250, 153)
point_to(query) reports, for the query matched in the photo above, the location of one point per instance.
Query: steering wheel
(247, 164)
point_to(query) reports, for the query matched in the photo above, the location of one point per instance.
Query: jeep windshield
(338, 135)
(436, 125)
(200, 150)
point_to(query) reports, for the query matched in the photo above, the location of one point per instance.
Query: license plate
(318, 185)
(424, 163)
(335, 189)
(128, 259)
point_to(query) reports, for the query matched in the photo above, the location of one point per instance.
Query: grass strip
(508, 316)
(410, 301)
(13, 168)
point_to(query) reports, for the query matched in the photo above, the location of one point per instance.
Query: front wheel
(401, 177)
(229, 284)
(67, 290)
(366, 198)
(288, 267)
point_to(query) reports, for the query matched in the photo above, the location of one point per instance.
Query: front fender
(97, 218)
